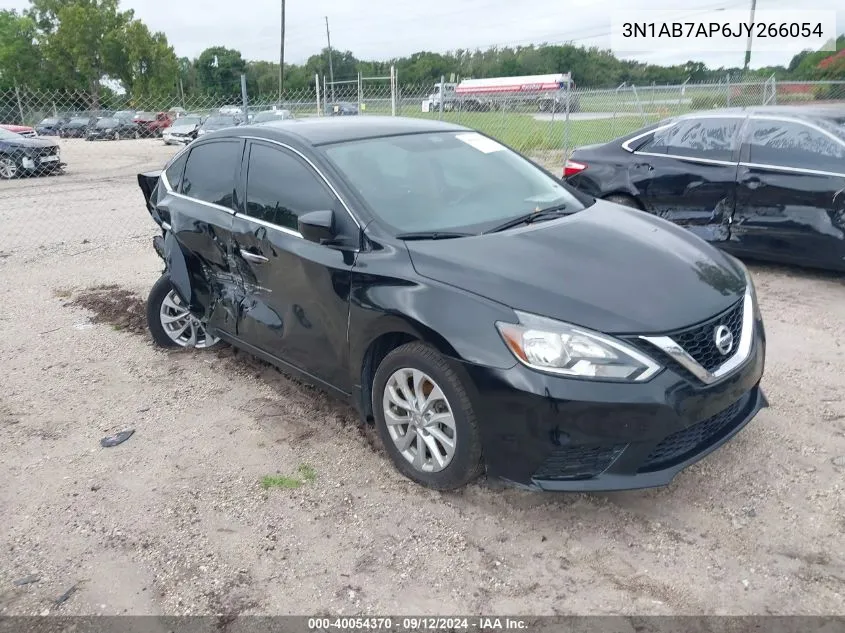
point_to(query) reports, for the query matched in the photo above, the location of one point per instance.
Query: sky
(381, 29)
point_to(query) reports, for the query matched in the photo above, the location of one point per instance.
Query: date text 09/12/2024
(475, 623)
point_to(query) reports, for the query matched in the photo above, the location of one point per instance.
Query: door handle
(254, 257)
(753, 182)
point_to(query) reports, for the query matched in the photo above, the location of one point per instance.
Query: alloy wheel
(419, 420)
(8, 168)
(181, 326)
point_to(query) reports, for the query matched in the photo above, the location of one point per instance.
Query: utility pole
(748, 46)
(282, 57)
(331, 71)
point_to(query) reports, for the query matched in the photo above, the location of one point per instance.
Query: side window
(175, 170)
(280, 187)
(791, 144)
(211, 171)
(715, 139)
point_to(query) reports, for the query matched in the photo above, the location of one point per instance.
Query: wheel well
(624, 194)
(375, 353)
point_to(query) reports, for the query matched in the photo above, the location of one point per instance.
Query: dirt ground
(175, 520)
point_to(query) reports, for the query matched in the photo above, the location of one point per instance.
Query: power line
(282, 57)
(331, 70)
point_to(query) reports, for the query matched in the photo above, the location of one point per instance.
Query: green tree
(20, 57)
(150, 64)
(219, 70)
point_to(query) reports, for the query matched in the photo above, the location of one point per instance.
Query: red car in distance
(153, 124)
(23, 130)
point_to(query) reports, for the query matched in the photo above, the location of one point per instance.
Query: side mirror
(317, 226)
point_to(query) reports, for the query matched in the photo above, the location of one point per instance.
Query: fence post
(392, 90)
(244, 97)
(728, 98)
(317, 87)
(615, 107)
(566, 122)
(442, 82)
(639, 103)
(360, 92)
(20, 105)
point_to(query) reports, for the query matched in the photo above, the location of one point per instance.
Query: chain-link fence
(98, 198)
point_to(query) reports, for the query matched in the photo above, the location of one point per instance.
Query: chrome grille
(699, 342)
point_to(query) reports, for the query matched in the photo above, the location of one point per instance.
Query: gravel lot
(175, 520)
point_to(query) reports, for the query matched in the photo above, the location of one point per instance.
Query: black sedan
(765, 183)
(77, 127)
(483, 314)
(27, 156)
(113, 130)
(50, 126)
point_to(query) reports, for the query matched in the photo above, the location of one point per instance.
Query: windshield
(187, 121)
(219, 121)
(79, 121)
(450, 181)
(49, 122)
(106, 123)
(272, 115)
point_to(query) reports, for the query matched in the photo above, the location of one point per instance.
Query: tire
(161, 301)
(455, 408)
(117, 136)
(8, 168)
(137, 135)
(625, 201)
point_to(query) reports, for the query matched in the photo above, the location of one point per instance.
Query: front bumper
(42, 163)
(553, 433)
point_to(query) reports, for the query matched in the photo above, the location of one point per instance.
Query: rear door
(296, 302)
(196, 209)
(791, 198)
(686, 173)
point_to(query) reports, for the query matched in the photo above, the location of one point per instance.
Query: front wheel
(117, 136)
(170, 322)
(8, 167)
(425, 418)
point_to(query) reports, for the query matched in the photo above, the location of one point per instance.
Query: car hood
(609, 268)
(181, 129)
(30, 141)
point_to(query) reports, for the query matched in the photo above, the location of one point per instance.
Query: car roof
(325, 130)
(797, 111)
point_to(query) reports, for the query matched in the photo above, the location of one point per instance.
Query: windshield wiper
(543, 214)
(432, 235)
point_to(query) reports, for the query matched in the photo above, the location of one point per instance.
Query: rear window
(710, 138)
(210, 172)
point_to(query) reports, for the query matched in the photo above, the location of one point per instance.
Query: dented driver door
(791, 197)
(687, 174)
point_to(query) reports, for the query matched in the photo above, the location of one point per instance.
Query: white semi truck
(548, 92)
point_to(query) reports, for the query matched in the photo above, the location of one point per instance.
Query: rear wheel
(625, 201)
(425, 418)
(171, 323)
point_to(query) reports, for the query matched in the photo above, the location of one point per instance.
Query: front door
(296, 292)
(791, 198)
(687, 174)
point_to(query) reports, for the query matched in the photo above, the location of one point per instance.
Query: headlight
(569, 350)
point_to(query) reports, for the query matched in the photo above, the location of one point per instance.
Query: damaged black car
(21, 156)
(763, 183)
(484, 315)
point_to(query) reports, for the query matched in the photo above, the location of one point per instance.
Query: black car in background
(21, 156)
(50, 126)
(765, 183)
(482, 313)
(218, 122)
(112, 129)
(344, 108)
(77, 127)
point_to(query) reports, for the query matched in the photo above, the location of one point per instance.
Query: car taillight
(571, 168)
